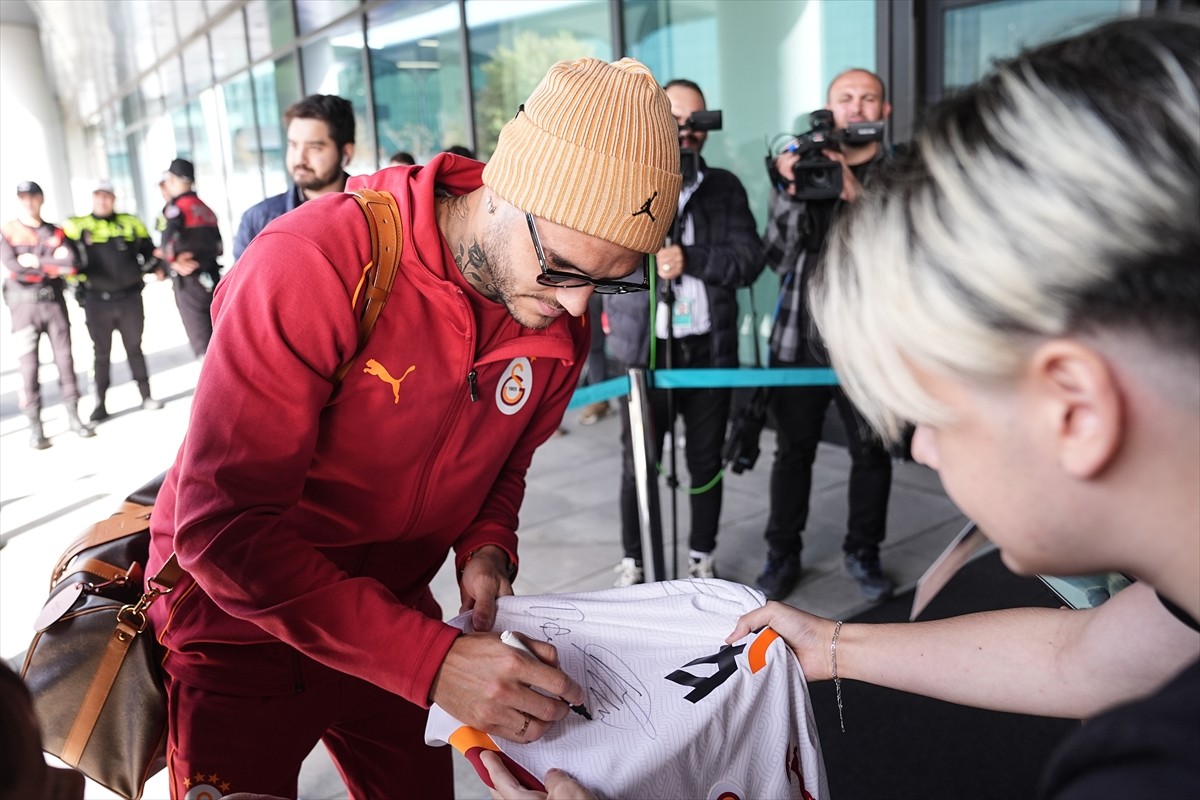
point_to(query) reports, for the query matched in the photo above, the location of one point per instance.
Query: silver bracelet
(837, 682)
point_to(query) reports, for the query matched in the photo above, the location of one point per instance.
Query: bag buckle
(135, 615)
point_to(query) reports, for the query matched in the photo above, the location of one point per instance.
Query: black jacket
(192, 228)
(795, 236)
(727, 255)
(116, 251)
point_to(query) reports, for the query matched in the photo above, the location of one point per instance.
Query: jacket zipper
(418, 506)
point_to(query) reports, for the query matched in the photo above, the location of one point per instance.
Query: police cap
(182, 168)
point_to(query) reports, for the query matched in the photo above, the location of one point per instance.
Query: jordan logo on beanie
(593, 149)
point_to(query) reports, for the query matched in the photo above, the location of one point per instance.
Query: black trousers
(799, 414)
(194, 301)
(705, 415)
(29, 321)
(126, 316)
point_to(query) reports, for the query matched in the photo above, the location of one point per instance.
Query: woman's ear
(1080, 395)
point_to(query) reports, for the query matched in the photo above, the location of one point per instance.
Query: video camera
(689, 160)
(816, 176)
(741, 449)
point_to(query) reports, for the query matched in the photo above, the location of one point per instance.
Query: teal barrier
(707, 379)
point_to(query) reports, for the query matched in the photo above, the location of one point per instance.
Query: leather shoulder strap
(383, 221)
(131, 518)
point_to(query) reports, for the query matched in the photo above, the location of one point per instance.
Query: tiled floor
(570, 537)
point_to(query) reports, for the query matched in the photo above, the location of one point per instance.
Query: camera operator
(714, 250)
(796, 233)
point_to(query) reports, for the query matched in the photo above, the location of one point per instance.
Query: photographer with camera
(815, 176)
(713, 250)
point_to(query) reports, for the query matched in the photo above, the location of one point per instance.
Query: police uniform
(34, 295)
(116, 251)
(191, 227)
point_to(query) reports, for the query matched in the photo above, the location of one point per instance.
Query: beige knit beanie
(596, 149)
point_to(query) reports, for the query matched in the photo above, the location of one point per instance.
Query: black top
(1146, 749)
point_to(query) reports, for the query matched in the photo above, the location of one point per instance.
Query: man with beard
(794, 241)
(1034, 311)
(320, 144)
(310, 514)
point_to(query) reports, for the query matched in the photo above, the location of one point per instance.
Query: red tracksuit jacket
(311, 519)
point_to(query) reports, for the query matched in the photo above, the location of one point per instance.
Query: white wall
(32, 143)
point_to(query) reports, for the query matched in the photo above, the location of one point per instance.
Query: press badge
(681, 312)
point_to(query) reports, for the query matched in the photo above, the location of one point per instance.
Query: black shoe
(150, 404)
(864, 568)
(780, 574)
(99, 413)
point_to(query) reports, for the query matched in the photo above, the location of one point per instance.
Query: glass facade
(336, 63)
(212, 83)
(514, 43)
(977, 36)
(418, 78)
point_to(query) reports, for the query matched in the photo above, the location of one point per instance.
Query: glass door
(964, 38)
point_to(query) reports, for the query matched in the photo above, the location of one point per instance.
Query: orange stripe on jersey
(467, 737)
(757, 654)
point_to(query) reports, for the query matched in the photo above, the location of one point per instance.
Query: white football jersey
(676, 713)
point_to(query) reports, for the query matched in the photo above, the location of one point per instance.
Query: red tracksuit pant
(220, 744)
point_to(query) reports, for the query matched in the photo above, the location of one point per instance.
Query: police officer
(116, 251)
(38, 257)
(191, 245)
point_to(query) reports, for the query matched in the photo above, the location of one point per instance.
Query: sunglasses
(573, 280)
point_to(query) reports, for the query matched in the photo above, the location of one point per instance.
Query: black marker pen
(510, 639)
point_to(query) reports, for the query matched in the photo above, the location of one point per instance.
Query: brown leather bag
(93, 665)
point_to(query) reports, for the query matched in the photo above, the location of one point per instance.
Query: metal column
(646, 474)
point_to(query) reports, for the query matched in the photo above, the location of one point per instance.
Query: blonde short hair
(1058, 196)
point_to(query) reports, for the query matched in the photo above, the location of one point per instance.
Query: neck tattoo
(456, 205)
(473, 264)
